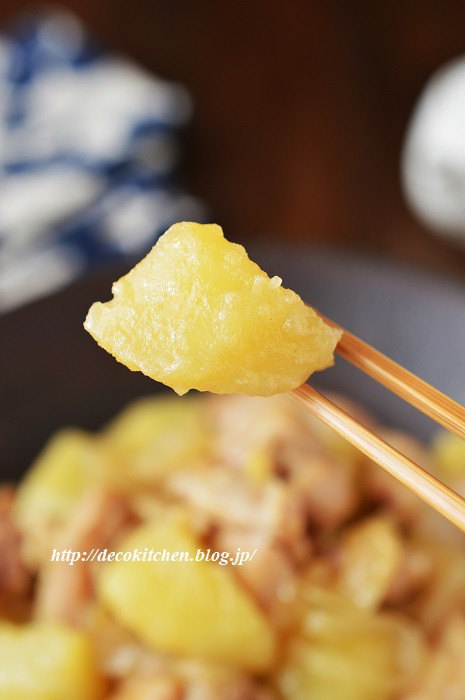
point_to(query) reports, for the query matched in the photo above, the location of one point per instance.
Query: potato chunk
(71, 462)
(154, 436)
(197, 313)
(46, 662)
(449, 457)
(345, 652)
(68, 465)
(371, 553)
(184, 607)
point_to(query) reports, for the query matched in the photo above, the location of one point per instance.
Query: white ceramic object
(433, 160)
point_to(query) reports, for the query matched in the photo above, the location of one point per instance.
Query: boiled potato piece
(449, 457)
(371, 556)
(154, 436)
(258, 465)
(69, 464)
(197, 313)
(46, 662)
(344, 652)
(191, 608)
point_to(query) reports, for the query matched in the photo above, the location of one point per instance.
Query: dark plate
(54, 374)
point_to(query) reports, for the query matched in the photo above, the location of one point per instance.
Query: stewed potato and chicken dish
(355, 590)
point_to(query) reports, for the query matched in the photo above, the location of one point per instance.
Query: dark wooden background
(301, 107)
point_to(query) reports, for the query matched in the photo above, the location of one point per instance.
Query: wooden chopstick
(419, 481)
(420, 394)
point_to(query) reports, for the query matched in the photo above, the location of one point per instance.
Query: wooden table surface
(300, 108)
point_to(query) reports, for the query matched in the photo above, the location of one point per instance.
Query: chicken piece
(226, 496)
(241, 424)
(385, 490)
(15, 579)
(270, 576)
(192, 681)
(267, 519)
(158, 687)
(432, 525)
(327, 488)
(333, 443)
(210, 682)
(412, 575)
(241, 689)
(320, 467)
(443, 592)
(443, 676)
(63, 590)
(228, 500)
(13, 574)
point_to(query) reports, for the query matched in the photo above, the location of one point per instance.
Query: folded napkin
(89, 154)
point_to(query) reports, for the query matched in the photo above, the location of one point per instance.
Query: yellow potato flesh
(155, 436)
(344, 652)
(449, 457)
(46, 662)
(70, 462)
(189, 608)
(197, 313)
(371, 554)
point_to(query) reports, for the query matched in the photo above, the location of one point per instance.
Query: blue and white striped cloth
(89, 153)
